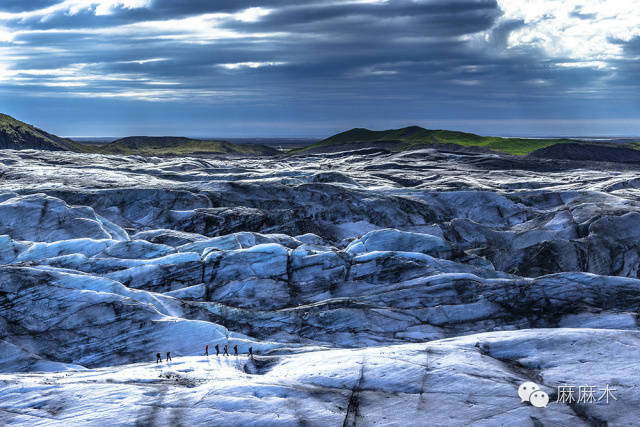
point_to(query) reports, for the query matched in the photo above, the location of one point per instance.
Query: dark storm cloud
(187, 7)
(334, 38)
(500, 32)
(432, 11)
(577, 13)
(24, 5)
(304, 60)
(632, 47)
(434, 17)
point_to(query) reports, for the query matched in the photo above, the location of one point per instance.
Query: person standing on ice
(217, 350)
(251, 352)
(168, 356)
(206, 350)
(158, 358)
(226, 350)
(235, 349)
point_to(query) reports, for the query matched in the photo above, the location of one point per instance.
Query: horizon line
(524, 136)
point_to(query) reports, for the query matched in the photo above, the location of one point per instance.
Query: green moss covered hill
(172, 145)
(18, 135)
(416, 137)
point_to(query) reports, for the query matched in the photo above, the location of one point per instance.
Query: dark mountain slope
(588, 152)
(18, 135)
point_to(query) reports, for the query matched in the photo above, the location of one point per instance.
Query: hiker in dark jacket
(235, 349)
(206, 350)
(158, 358)
(226, 350)
(251, 352)
(217, 350)
(168, 356)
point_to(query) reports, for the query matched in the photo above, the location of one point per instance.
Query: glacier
(374, 288)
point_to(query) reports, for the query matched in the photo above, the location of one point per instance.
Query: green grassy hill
(170, 145)
(18, 135)
(416, 137)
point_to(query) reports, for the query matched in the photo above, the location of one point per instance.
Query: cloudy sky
(313, 68)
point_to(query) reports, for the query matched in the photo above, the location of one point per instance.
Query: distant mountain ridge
(17, 135)
(413, 137)
(163, 145)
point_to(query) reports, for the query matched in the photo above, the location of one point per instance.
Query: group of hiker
(159, 357)
(225, 352)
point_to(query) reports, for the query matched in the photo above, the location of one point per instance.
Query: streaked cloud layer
(284, 67)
